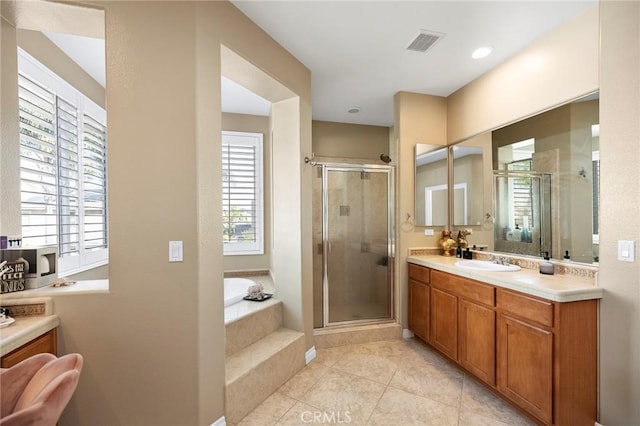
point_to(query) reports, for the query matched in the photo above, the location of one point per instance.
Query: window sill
(80, 287)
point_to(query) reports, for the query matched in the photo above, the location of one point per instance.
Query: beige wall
(557, 68)
(164, 119)
(349, 140)
(10, 220)
(620, 205)
(254, 124)
(417, 119)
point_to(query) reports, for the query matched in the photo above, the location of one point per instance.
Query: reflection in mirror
(468, 194)
(431, 188)
(546, 177)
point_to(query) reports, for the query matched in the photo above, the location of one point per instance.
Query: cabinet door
(444, 322)
(525, 365)
(419, 309)
(46, 343)
(477, 340)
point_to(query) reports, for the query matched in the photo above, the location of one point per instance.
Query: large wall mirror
(431, 185)
(546, 183)
(468, 184)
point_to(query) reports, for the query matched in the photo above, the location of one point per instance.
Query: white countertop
(558, 288)
(25, 329)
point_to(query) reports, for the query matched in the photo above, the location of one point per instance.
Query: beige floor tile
(299, 384)
(397, 407)
(479, 400)
(275, 406)
(420, 352)
(392, 348)
(329, 356)
(374, 361)
(257, 419)
(344, 394)
(304, 414)
(467, 418)
(443, 384)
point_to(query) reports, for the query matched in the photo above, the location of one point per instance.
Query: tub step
(255, 372)
(251, 322)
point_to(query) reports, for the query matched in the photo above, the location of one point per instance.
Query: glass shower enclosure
(353, 276)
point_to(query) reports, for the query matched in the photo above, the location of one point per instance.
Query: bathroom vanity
(34, 330)
(530, 338)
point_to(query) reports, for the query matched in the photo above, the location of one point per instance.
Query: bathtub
(235, 289)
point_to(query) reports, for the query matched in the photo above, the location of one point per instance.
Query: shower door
(357, 243)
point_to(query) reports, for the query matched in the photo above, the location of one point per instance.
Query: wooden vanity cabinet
(463, 322)
(477, 340)
(45, 343)
(419, 301)
(547, 357)
(525, 352)
(444, 322)
(538, 354)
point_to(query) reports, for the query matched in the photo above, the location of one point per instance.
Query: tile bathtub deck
(397, 382)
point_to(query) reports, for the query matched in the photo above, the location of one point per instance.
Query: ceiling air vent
(424, 41)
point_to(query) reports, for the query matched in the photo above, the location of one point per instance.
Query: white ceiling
(356, 50)
(87, 52)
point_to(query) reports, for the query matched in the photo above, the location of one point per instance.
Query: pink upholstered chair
(36, 390)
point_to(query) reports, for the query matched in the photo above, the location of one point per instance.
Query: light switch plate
(626, 251)
(175, 251)
(428, 232)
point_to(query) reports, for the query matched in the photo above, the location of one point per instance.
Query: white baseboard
(220, 422)
(310, 355)
(407, 334)
(598, 424)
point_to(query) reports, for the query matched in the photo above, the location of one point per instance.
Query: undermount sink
(485, 265)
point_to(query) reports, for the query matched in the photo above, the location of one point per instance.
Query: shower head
(385, 158)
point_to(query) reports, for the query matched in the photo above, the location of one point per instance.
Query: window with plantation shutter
(522, 191)
(62, 168)
(242, 196)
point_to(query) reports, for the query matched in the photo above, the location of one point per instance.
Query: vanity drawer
(419, 273)
(526, 307)
(464, 287)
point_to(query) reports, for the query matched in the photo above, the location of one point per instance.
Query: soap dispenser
(517, 234)
(546, 267)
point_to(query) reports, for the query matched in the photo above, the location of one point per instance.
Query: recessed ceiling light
(481, 52)
(353, 109)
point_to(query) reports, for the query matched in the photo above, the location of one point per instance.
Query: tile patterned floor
(390, 383)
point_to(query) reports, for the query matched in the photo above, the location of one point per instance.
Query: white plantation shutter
(62, 168)
(242, 195)
(38, 163)
(68, 201)
(94, 174)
